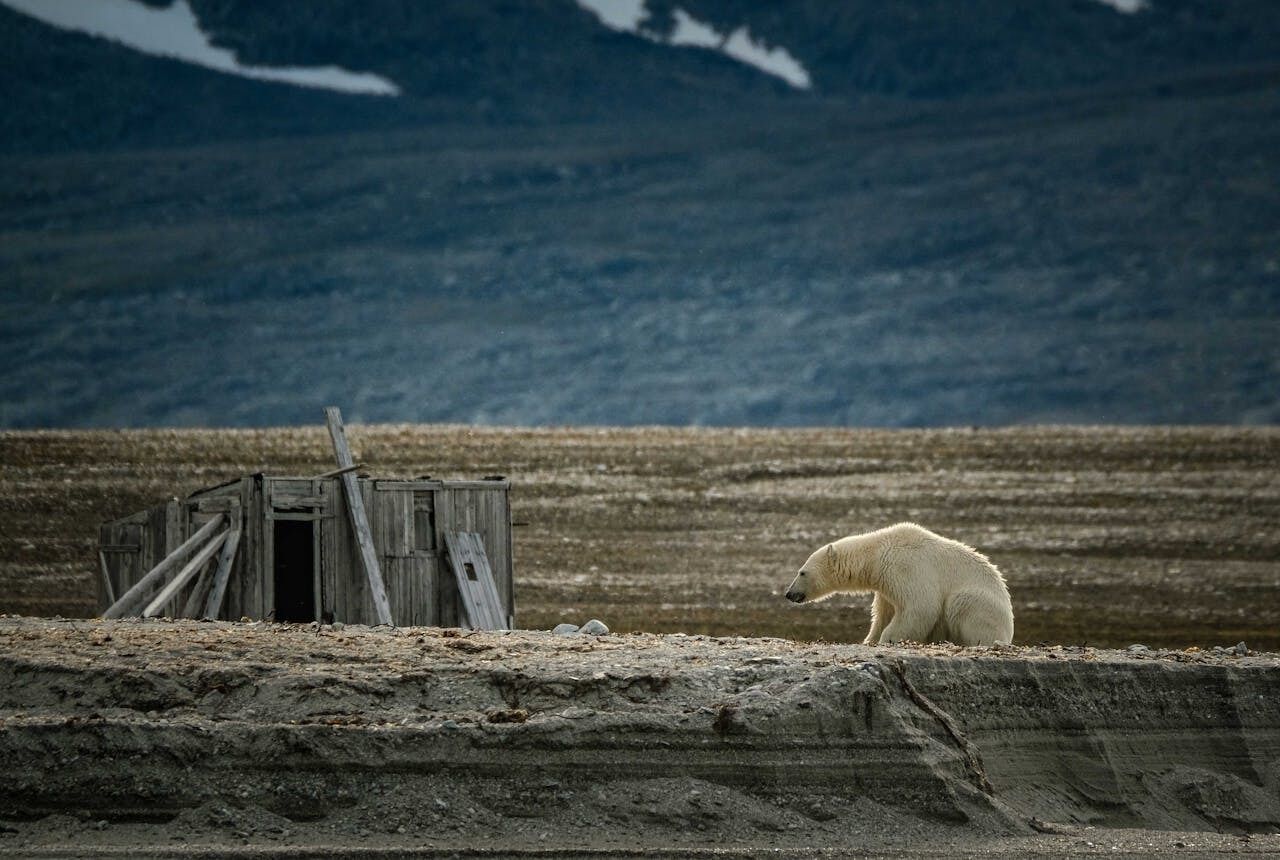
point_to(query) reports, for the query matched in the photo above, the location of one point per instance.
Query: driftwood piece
(183, 576)
(359, 519)
(134, 596)
(219, 588)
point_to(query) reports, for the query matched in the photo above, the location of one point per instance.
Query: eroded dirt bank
(191, 736)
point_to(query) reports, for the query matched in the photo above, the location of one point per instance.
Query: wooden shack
(292, 553)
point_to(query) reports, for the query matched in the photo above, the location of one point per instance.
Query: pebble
(1136, 648)
(565, 629)
(872, 669)
(449, 725)
(594, 627)
(1242, 649)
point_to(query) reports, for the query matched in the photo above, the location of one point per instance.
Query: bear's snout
(795, 596)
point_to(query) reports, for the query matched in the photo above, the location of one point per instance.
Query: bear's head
(815, 580)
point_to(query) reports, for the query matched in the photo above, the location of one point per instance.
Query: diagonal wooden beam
(183, 576)
(134, 596)
(219, 588)
(359, 519)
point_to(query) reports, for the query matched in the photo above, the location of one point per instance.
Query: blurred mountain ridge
(552, 61)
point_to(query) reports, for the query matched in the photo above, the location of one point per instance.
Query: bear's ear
(831, 553)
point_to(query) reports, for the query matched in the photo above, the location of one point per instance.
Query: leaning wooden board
(476, 587)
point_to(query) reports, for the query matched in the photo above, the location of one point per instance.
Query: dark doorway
(295, 565)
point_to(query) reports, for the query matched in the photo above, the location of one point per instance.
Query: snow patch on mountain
(628, 16)
(175, 32)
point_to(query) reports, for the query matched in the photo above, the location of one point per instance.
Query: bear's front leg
(912, 624)
(881, 615)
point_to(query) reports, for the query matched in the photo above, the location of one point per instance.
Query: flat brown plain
(1107, 536)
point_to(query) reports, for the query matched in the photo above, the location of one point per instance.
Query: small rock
(1138, 648)
(1242, 649)
(337, 625)
(441, 804)
(565, 629)
(594, 627)
(872, 669)
(449, 725)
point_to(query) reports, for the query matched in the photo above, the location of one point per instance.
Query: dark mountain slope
(456, 62)
(942, 49)
(544, 61)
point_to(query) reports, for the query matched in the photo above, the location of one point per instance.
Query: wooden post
(219, 587)
(135, 595)
(192, 568)
(359, 520)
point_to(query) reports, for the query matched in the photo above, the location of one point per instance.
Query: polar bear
(927, 588)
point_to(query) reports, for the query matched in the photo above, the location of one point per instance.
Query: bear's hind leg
(976, 619)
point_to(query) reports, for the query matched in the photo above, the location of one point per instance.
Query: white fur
(928, 588)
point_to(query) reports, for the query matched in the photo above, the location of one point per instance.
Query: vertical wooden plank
(402, 605)
(495, 529)
(254, 605)
(404, 523)
(231, 608)
(267, 581)
(183, 519)
(341, 559)
(154, 540)
(129, 569)
(426, 600)
(447, 610)
(424, 536)
(509, 571)
(175, 532)
(360, 522)
(175, 526)
(316, 591)
(325, 528)
(369, 600)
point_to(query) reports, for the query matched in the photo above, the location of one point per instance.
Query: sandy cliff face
(671, 738)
